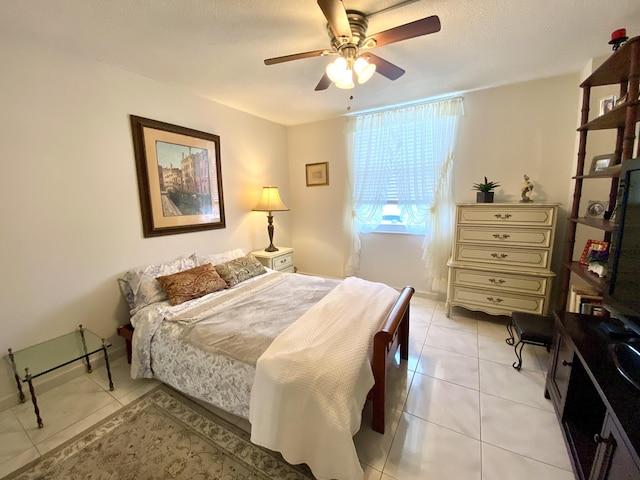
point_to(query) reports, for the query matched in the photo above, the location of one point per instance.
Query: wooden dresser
(501, 257)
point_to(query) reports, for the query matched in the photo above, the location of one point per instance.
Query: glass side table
(48, 356)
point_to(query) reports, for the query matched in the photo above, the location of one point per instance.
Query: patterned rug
(162, 435)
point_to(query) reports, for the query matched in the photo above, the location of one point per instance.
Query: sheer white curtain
(404, 154)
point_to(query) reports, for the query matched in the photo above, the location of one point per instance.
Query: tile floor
(457, 411)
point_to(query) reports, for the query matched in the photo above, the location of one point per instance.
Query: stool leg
(518, 365)
(511, 338)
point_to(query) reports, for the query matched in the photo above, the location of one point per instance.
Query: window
(401, 163)
(397, 161)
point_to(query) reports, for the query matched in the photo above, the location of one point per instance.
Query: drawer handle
(497, 281)
(501, 237)
(499, 255)
(495, 300)
(500, 216)
(284, 260)
(567, 364)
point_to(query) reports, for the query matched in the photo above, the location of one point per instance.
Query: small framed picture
(600, 162)
(596, 208)
(607, 104)
(317, 174)
(592, 245)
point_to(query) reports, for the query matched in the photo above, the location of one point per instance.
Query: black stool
(531, 328)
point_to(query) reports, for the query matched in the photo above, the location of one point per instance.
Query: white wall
(505, 133)
(69, 199)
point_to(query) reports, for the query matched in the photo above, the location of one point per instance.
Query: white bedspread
(312, 382)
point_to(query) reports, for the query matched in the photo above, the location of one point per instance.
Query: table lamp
(270, 202)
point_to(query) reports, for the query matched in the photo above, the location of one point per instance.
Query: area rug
(162, 435)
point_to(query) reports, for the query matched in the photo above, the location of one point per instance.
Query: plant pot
(484, 197)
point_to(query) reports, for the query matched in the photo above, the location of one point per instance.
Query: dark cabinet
(599, 411)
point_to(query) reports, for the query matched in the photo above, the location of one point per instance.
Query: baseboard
(58, 377)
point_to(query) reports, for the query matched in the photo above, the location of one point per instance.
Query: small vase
(484, 197)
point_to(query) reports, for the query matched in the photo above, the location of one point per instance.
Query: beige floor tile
(457, 320)
(423, 450)
(450, 366)
(500, 464)
(497, 350)
(453, 340)
(521, 386)
(446, 404)
(370, 473)
(61, 407)
(20, 460)
(522, 429)
(13, 438)
(493, 327)
(373, 447)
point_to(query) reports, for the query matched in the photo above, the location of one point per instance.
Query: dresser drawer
(517, 237)
(501, 282)
(506, 215)
(283, 262)
(516, 257)
(495, 302)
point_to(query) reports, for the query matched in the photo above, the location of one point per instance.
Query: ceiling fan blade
(418, 28)
(336, 16)
(324, 83)
(385, 68)
(295, 56)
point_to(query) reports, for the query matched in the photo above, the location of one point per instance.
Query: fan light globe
(364, 70)
(346, 82)
(336, 70)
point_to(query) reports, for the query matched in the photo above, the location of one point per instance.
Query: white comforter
(312, 382)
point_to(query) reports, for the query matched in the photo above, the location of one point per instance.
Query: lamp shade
(270, 201)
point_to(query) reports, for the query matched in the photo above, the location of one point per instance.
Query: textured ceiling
(216, 48)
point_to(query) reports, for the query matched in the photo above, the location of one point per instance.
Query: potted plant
(485, 191)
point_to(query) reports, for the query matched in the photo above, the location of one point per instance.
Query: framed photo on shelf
(596, 208)
(607, 104)
(317, 174)
(600, 163)
(592, 245)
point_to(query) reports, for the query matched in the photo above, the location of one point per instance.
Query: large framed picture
(317, 174)
(179, 178)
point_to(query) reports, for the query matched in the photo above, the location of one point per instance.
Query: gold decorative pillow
(193, 283)
(240, 269)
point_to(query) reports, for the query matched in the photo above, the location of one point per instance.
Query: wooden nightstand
(282, 260)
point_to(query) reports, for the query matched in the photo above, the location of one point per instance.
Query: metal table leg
(17, 377)
(33, 398)
(84, 346)
(106, 361)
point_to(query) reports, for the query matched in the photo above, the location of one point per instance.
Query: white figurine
(527, 188)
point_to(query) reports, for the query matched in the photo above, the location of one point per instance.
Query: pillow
(140, 287)
(240, 269)
(218, 258)
(193, 283)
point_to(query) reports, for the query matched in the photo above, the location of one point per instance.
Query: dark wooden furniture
(598, 410)
(530, 328)
(393, 335)
(621, 68)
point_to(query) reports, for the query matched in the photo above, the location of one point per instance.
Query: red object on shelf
(618, 37)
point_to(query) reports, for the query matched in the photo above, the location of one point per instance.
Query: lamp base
(271, 248)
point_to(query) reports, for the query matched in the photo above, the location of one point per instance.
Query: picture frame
(317, 174)
(596, 208)
(592, 245)
(607, 104)
(179, 178)
(601, 162)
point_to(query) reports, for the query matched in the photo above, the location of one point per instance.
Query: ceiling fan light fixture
(347, 81)
(364, 70)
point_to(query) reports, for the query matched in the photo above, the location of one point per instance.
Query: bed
(258, 349)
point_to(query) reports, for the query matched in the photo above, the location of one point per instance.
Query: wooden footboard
(394, 334)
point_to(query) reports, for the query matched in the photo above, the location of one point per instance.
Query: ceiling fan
(349, 41)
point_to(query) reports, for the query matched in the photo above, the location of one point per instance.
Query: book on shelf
(589, 304)
(579, 294)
